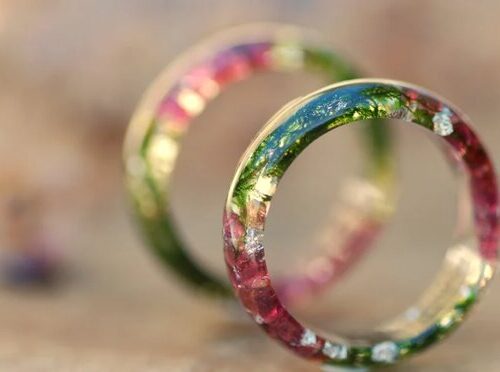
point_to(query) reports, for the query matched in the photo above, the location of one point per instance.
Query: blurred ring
(182, 92)
(468, 266)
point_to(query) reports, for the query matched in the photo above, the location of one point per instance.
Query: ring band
(468, 266)
(181, 93)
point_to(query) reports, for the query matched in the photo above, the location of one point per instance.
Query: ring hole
(211, 150)
(405, 257)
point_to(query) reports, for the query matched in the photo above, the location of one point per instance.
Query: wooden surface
(66, 94)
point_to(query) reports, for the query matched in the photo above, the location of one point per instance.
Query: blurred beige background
(71, 73)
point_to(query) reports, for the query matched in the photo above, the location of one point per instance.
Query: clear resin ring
(182, 92)
(467, 268)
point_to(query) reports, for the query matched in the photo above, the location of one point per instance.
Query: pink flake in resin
(170, 108)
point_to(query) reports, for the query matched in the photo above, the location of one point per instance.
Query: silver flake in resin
(308, 338)
(442, 122)
(335, 351)
(385, 352)
(253, 240)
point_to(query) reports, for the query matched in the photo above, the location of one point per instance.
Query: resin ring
(181, 93)
(467, 268)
